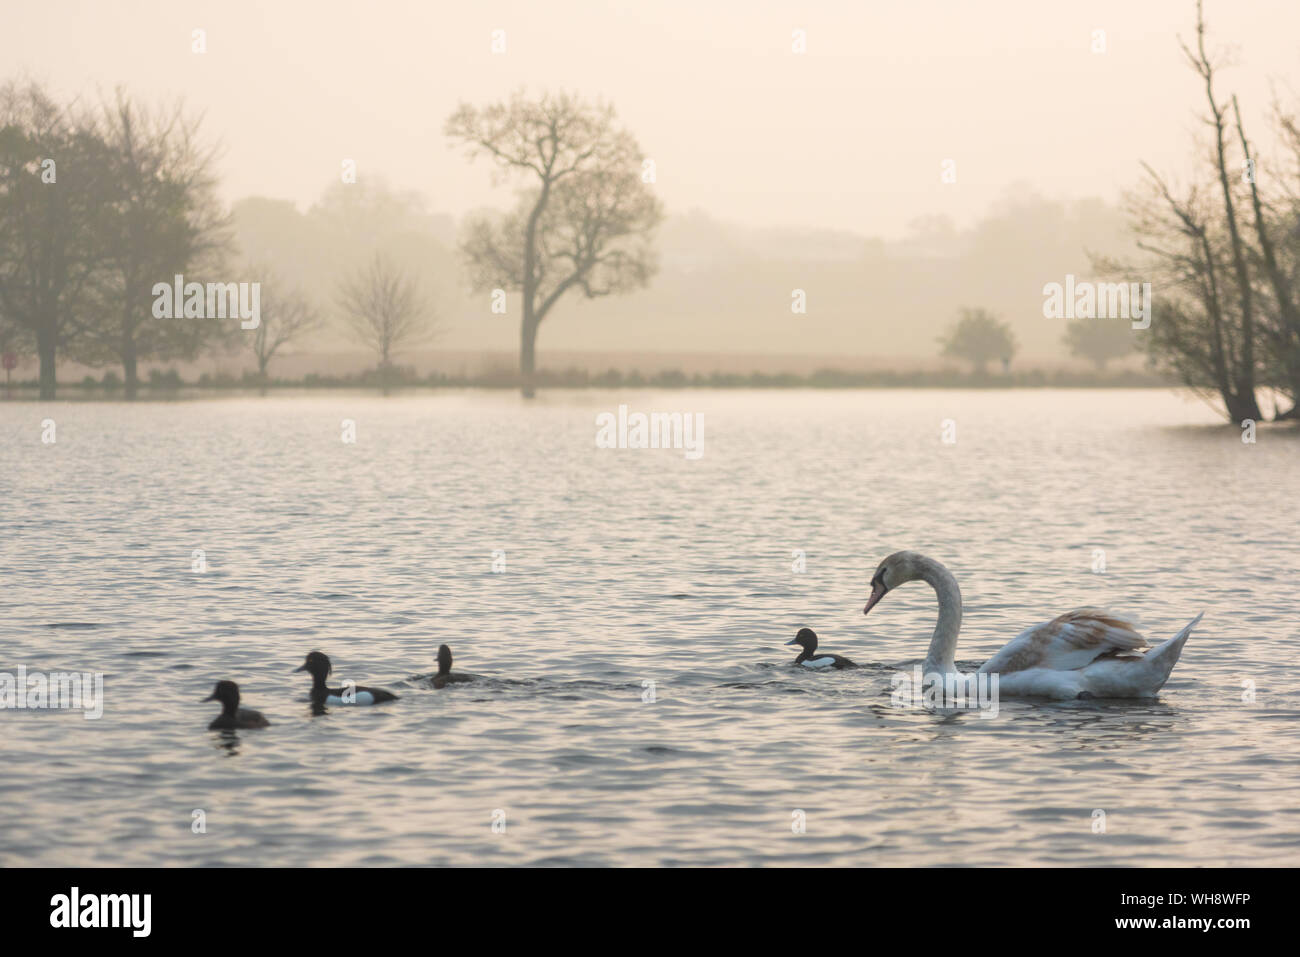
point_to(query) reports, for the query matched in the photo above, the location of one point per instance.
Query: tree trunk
(528, 327)
(528, 355)
(46, 348)
(1244, 372)
(1282, 288)
(1242, 407)
(130, 372)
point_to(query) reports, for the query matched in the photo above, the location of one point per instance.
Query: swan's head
(806, 638)
(898, 568)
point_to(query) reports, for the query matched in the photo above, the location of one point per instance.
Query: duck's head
(227, 692)
(317, 665)
(444, 659)
(898, 568)
(806, 639)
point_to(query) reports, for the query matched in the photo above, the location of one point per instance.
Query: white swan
(1083, 653)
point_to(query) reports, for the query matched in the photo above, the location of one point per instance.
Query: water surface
(624, 567)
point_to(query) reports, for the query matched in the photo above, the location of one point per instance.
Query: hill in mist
(722, 288)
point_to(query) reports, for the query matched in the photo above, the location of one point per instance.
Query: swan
(1084, 653)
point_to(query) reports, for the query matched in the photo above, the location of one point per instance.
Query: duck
(319, 667)
(444, 676)
(232, 716)
(807, 639)
(1085, 653)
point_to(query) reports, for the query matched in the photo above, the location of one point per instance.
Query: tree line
(100, 202)
(980, 337)
(97, 202)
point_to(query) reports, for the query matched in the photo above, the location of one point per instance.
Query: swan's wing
(1067, 643)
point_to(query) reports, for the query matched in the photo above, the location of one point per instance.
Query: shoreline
(171, 386)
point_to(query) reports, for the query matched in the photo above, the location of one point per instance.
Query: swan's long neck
(943, 646)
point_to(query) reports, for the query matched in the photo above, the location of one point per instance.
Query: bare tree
(385, 309)
(585, 221)
(286, 315)
(1204, 323)
(1201, 62)
(1195, 329)
(1275, 242)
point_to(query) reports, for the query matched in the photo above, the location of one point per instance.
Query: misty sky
(849, 135)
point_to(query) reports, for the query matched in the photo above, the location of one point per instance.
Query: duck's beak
(211, 697)
(793, 641)
(877, 592)
(301, 667)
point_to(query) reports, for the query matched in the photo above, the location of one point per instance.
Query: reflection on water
(638, 706)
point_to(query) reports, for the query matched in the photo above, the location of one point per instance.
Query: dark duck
(444, 676)
(807, 639)
(232, 716)
(319, 667)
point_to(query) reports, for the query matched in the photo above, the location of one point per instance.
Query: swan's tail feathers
(1162, 658)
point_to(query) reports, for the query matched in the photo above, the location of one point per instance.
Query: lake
(628, 609)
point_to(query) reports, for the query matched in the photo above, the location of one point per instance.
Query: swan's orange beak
(877, 592)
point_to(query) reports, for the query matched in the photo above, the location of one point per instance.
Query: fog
(777, 170)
